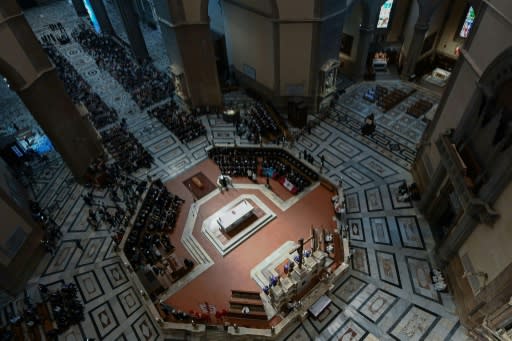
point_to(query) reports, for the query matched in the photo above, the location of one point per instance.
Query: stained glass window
(92, 15)
(385, 12)
(468, 23)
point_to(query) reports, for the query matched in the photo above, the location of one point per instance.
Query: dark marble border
(93, 322)
(395, 300)
(108, 277)
(361, 225)
(150, 322)
(110, 250)
(367, 260)
(380, 197)
(396, 269)
(452, 331)
(78, 265)
(417, 227)
(327, 323)
(374, 172)
(355, 293)
(358, 202)
(300, 325)
(439, 300)
(335, 147)
(80, 288)
(73, 250)
(425, 334)
(332, 166)
(315, 134)
(122, 305)
(343, 326)
(358, 171)
(74, 222)
(387, 228)
(391, 196)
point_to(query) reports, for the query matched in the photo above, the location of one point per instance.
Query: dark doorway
(24, 4)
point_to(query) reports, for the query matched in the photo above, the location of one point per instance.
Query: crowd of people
(234, 162)
(126, 149)
(186, 126)
(148, 241)
(142, 80)
(277, 168)
(261, 124)
(101, 114)
(66, 307)
(268, 162)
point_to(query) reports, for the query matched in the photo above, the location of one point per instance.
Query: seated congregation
(148, 247)
(186, 127)
(272, 163)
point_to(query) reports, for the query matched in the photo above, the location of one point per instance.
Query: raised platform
(261, 272)
(225, 242)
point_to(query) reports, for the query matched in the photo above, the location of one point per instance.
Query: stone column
(371, 9)
(188, 40)
(72, 134)
(29, 72)
(145, 10)
(101, 14)
(80, 9)
(365, 39)
(426, 10)
(420, 29)
(433, 187)
(131, 25)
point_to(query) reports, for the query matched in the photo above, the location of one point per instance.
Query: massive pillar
(146, 12)
(186, 32)
(426, 10)
(80, 9)
(20, 247)
(101, 14)
(131, 25)
(371, 10)
(366, 35)
(287, 51)
(420, 29)
(29, 72)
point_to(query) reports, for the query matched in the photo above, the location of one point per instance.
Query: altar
(438, 77)
(235, 216)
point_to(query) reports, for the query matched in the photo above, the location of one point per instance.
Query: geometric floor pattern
(386, 294)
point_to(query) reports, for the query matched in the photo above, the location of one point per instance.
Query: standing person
(322, 160)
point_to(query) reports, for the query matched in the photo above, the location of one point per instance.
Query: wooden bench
(245, 294)
(245, 301)
(252, 308)
(255, 315)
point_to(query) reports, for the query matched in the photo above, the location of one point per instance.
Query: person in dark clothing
(369, 125)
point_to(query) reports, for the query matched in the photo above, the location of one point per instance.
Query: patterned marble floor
(386, 294)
